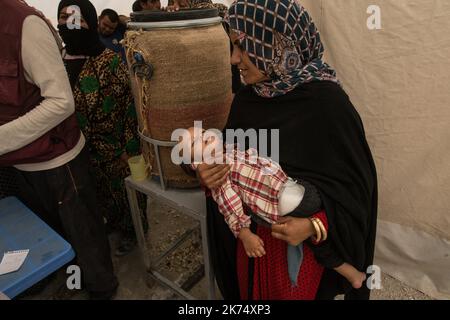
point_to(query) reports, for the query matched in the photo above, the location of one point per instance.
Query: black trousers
(65, 198)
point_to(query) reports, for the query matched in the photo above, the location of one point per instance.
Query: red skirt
(270, 276)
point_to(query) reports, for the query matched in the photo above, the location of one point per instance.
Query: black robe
(322, 141)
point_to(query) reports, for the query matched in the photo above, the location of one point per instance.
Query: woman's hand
(212, 176)
(293, 230)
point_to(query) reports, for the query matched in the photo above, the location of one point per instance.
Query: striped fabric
(282, 41)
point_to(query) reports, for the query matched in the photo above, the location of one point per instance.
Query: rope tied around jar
(141, 72)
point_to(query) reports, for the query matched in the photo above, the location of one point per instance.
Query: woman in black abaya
(322, 141)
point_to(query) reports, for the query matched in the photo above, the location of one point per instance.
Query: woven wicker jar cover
(191, 81)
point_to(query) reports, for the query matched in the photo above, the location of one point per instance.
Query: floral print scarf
(282, 41)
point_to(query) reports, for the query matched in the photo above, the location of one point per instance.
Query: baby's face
(200, 142)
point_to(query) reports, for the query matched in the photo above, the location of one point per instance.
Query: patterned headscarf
(282, 41)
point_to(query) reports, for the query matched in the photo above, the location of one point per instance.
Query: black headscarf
(137, 6)
(82, 41)
(322, 141)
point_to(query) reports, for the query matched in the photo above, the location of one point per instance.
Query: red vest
(18, 96)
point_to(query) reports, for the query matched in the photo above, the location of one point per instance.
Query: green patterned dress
(106, 115)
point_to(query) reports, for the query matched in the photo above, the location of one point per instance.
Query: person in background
(136, 6)
(8, 185)
(124, 19)
(41, 139)
(150, 4)
(112, 31)
(106, 115)
(175, 5)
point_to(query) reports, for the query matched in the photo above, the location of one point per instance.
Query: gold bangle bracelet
(317, 228)
(320, 239)
(322, 229)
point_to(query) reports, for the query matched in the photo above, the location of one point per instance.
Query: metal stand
(189, 202)
(156, 144)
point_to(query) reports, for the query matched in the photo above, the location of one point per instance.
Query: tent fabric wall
(398, 77)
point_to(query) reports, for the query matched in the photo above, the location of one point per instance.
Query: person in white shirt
(41, 140)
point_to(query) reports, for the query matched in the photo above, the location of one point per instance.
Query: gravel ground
(166, 225)
(392, 289)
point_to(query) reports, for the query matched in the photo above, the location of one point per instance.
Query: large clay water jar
(180, 72)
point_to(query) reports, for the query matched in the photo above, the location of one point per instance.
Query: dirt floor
(183, 266)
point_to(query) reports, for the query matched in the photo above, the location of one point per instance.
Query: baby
(261, 185)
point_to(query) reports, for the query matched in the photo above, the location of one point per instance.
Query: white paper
(12, 261)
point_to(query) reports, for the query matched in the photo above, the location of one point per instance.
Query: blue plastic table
(21, 229)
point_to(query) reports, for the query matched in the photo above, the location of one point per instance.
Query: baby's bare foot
(358, 280)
